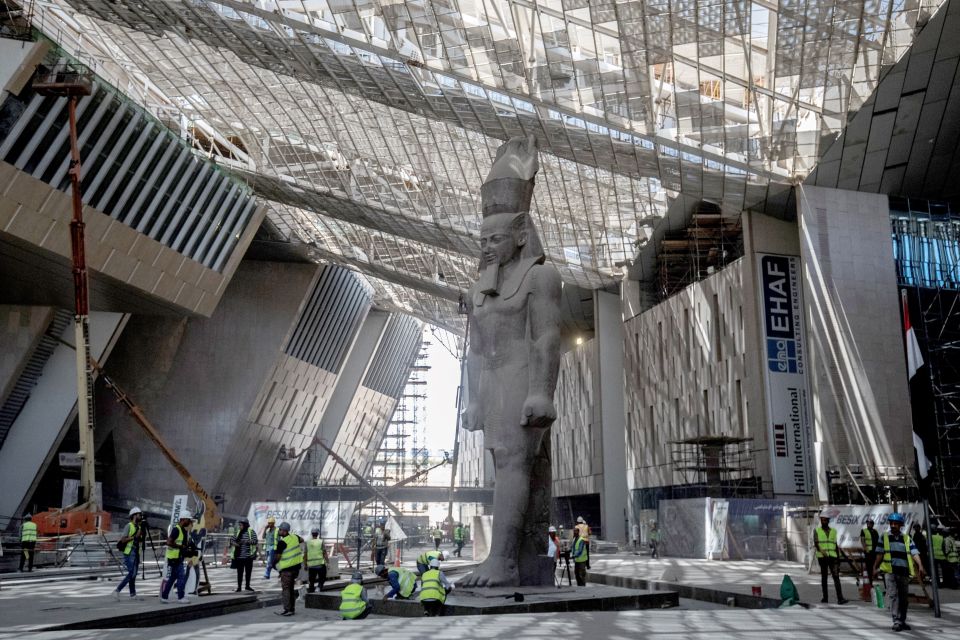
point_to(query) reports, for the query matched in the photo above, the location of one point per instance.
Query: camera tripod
(558, 580)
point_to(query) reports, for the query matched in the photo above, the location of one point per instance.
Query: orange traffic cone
(866, 587)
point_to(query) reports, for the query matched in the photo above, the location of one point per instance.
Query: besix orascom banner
(785, 365)
(332, 518)
(849, 520)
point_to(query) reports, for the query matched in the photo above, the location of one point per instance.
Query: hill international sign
(785, 382)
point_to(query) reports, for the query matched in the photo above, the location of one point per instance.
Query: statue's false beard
(489, 278)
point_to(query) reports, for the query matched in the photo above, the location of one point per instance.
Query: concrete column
(609, 336)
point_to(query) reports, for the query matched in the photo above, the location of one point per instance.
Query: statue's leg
(511, 498)
(533, 542)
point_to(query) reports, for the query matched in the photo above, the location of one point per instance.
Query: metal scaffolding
(706, 245)
(402, 453)
(926, 238)
(716, 466)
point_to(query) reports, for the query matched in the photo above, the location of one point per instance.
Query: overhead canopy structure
(367, 126)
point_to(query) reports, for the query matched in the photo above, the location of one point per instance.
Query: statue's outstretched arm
(544, 317)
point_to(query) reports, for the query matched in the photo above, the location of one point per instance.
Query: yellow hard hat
(271, 520)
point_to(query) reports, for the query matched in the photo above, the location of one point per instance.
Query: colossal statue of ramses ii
(512, 364)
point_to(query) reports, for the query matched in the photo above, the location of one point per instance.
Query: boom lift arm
(211, 513)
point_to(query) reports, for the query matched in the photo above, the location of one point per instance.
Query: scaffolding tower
(16, 20)
(716, 466)
(707, 244)
(926, 239)
(402, 453)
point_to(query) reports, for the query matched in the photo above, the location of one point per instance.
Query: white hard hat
(552, 529)
(581, 520)
(435, 563)
(135, 511)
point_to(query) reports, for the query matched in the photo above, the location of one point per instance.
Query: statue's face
(500, 238)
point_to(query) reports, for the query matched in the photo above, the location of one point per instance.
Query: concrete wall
(198, 380)
(861, 402)
(576, 446)
(686, 376)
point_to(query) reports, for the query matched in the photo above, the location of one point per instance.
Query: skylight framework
(368, 125)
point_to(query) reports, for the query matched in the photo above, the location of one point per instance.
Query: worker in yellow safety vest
(434, 588)
(177, 543)
(825, 543)
(941, 544)
(131, 541)
(437, 537)
(288, 560)
(28, 542)
(581, 558)
(316, 561)
(953, 555)
(423, 560)
(898, 563)
(354, 603)
(402, 581)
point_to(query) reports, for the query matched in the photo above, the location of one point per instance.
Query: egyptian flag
(921, 397)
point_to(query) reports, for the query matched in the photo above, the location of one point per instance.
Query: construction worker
(381, 542)
(918, 538)
(553, 545)
(581, 558)
(367, 532)
(654, 538)
(177, 543)
(28, 542)
(423, 560)
(584, 532)
(269, 537)
(316, 561)
(288, 559)
(354, 603)
(899, 563)
(402, 581)
(825, 543)
(132, 540)
(941, 555)
(243, 551)
(953, 556)
(434, 588)
(869, 539)
(458, 533)
(437, 537)
(943, 549)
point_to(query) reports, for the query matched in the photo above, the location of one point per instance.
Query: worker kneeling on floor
(434, 588)
(402, 581)
(354, 603)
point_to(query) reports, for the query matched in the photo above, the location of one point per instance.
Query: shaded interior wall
(686, 376)
(20, 330)
(861, 403)
(296, 393)
(575, 437)
(198, 379)
(286, 414)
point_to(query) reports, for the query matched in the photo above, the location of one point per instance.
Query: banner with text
(332, 518)
(785, 358)
(850, 519)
